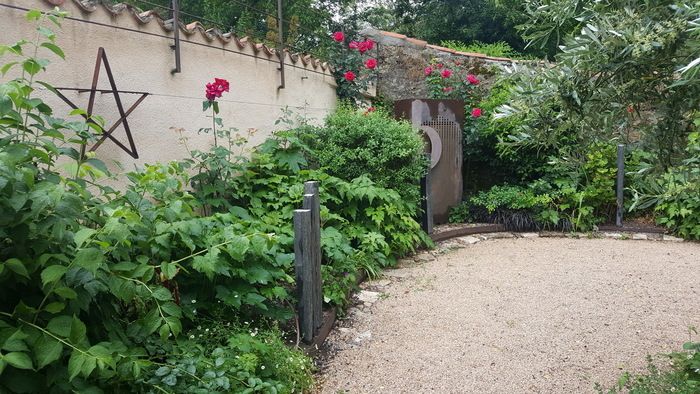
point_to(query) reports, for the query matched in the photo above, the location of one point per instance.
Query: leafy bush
(390, 152)
(674, 195)
(488, 162)
(515, 207)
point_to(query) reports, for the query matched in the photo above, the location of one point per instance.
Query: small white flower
(192, 336)
(252, 334)
(194, 301)
(207, 330)
(262, 367)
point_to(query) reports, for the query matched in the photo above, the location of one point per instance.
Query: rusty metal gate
(441, 122)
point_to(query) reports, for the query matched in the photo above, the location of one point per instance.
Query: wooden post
(312, 202)
(620, 183)
(302, 267)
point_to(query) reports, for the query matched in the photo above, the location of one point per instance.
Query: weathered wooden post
(307, 262)
(312, 202)
(620, 183)
(302, 265)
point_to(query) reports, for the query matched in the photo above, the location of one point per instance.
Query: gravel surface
(540, 315)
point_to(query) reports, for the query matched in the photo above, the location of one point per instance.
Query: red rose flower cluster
(362, 47)
(473, 79)
(216, 89)
(476, 112)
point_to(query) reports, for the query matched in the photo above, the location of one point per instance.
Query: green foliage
(487, 162)
(566, 197)
(615, 77)
(682, 375)
(389, 152)
(494, 49)
(231, 357)
(468, 21)
(674, 195)
(513, 206)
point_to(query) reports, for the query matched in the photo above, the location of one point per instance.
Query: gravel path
(539, 315)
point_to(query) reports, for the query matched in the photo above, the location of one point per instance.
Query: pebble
(424, 257)
(368, 297)
(670, 238)
(469, 240)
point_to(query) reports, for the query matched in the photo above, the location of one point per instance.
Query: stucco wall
(139, 53)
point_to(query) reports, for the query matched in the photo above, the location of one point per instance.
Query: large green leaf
(18, 360)
(90, 259)
(46, 351)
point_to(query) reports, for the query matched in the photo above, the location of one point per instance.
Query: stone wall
(402, 61)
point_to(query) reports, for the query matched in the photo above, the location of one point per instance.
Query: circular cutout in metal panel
(435, 145)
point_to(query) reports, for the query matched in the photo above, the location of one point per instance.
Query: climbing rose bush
(353, 66)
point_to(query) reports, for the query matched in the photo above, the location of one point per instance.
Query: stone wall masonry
(402, 60)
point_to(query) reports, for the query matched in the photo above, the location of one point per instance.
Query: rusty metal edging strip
(488, 228)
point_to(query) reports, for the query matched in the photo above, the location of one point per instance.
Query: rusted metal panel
(442, 119)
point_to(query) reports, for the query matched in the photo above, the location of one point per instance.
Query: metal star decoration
(102, 59)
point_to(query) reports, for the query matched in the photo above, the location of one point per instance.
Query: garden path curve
(516, 315)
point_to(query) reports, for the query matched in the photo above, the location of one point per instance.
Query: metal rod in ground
(620, 183)
(312, 202)
(302, 267)
(426, 204)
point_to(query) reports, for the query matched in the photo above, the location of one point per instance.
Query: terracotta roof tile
(145, 17)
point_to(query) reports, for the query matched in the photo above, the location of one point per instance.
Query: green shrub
(364, 226)
(495, 49)
(388, 151)
(517, 208)
(675, 195)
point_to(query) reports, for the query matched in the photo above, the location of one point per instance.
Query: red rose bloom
(369, 44)
(476, 112)
(446, 73)
(472, 79)
(371, 63)
(428, 70)
(338, 36)
(439, 65)
(353, 45)
(349, 76)
(215, 89)
(369, 110)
